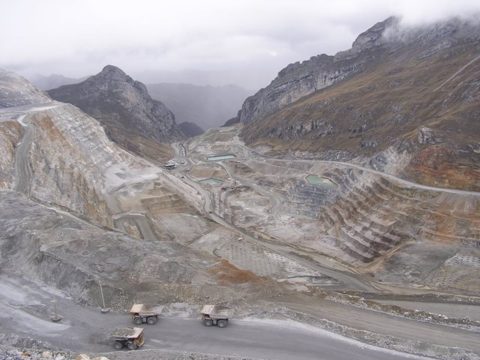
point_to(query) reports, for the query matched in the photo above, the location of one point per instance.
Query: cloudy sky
(245, 42)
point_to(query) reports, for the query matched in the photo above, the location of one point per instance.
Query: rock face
(57, 157)
(191, 129)
(123, 106)
(17, 91)
(398, 94)
(10, 134)
(300, 79)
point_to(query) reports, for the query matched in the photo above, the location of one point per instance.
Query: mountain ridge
(410, 111)
(303, 78)
(125, 109)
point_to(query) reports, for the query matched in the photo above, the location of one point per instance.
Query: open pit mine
(318, 250)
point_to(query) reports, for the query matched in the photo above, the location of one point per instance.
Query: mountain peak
(113, 72)
(122, 105)
(373, 35)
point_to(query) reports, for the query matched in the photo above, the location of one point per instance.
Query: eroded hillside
(396, 232)
(80, 211)
(411, 109)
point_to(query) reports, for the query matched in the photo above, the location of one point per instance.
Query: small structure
(220, 157)
(215, 315)
(142, 314)
(170, 165)
(55, 317)
(104, 308)
(132, 338)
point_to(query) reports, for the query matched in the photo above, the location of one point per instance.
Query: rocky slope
(190, 129)
(125, 109)
(57, 161)
(303, 78)
(394, 231)
(17, 91)
(407, 104)
(206, 106)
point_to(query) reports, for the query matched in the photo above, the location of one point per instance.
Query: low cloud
(246, 42)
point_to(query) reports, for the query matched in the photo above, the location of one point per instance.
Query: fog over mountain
(209, 42)
(53, 81)
(206, 106)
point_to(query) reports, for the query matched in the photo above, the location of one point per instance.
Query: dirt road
(23, 172)
(381, 323)
(25, 308)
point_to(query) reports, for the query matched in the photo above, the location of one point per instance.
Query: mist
(208, 42)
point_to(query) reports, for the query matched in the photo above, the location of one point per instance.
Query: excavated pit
(393, 231)
(102, 216)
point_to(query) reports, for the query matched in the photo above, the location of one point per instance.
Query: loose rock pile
(34, 355)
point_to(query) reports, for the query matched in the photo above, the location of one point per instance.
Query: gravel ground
(38, 354)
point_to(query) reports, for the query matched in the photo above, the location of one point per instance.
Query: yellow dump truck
(215, 315)
(142, 314)
(132, 338)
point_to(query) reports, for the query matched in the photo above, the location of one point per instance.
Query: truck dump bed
(127, 333)
(215, 311)
(143, 310)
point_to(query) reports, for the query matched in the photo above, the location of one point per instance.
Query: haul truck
(142, 314)
(132, 338)
(215, 315)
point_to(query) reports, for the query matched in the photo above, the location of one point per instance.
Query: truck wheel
(138, 320)
(132, 346)
(117, 345)
(208, 322)
(222, 323)
(152, 320)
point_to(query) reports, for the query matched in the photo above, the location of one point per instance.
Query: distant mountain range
(53, 81)
(206, 106)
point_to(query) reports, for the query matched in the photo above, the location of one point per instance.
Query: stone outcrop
(10, 135)
(304, 78)
(17, 91)
(124, 107)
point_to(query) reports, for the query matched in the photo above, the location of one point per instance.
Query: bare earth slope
(17, 91)
(411, 110)
(396, 233)
(69, 195)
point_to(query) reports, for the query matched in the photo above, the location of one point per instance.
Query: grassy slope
(388, 104)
